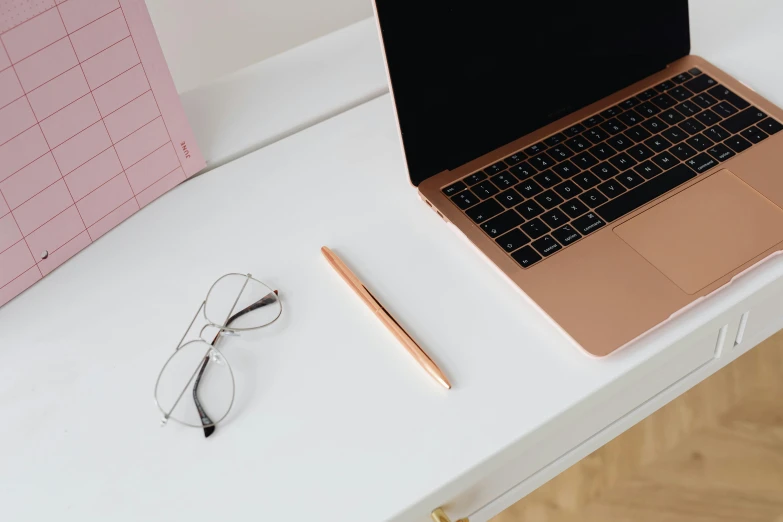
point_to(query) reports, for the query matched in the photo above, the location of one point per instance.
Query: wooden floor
(713, 454)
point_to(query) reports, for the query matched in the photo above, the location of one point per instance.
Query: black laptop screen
(469, 77)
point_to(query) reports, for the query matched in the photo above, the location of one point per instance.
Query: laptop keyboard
(546, 197)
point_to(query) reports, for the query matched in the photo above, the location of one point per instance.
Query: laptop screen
(469, 77)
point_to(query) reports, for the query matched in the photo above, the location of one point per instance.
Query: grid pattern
(83, 144)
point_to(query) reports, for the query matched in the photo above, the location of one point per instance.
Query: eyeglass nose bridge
(222, 331)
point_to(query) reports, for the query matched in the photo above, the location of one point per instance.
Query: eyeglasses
(235, 303)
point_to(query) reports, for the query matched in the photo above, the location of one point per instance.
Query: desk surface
(333, 420)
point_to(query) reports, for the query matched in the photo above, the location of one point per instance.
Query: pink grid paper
(91, 129)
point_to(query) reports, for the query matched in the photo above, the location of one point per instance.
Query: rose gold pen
(386, 318)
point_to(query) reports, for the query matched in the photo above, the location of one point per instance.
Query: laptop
(612, 176)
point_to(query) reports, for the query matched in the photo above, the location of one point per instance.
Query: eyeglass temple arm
(209, 427)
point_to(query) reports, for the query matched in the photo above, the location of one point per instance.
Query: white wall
(206, 39)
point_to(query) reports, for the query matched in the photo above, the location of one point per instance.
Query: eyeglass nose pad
(217, 357)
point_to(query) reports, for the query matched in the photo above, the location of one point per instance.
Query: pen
(386, 318)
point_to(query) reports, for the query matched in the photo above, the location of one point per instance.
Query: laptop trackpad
(706, 231)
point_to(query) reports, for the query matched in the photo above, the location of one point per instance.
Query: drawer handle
(439, 516)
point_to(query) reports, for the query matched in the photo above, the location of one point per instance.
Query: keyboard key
(665, 86)
(754, 134)
(700, 142)
(584, 160)
(554, 218)
(484, 211)
(720, 152)
(502, 223)
(695, 71)
(664, 101)
(513, 240)
(510, 198)
(674, 134)
(603, 151)
(568, 189)
(770, 126)
(639, 152)
(476, 177)
(535, 149)
(542, 161)
(743, 120)
(548, 179)
(535, 228)
(701, 163)
(638, 133)
(485, 189)
(554, 139)
(529, 209)
(546, 246)
(611, 188)
(647, 170)
(646, 95)
(560, 152)
(722, 93)
(522, 171)
(588, 223)
(647, 109)
(680, 93)
(529, 188)
(465, 200)
(692, 126)
(630, 179)
(566, 235)
(605, 171)
(683, 151)
(495, 168)
(454, 188)
(595, 135)
(655, 125)
(688, 108)
(548, 199)
(619, 142)
(665, 160)
(708, 117)
(630, 118)
(645, 193)
(700, 83)
(630, 103)
(586, 180)
(716, 133)
(671, 117)
(705, 101)
(565, 169)
(578, 144)
(515, 158)
(737, 144)
(574, 130)
(592, 121)
(526, 257)
(622, 161)
(592, 198)
(658, 143)
(574, 208)
(684, 77)
(613, 126)
(504, 180)
(724, 110)
(611, 112)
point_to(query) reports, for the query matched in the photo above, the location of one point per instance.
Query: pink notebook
(91, 129)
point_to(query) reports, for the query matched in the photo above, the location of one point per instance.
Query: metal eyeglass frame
(212, 352)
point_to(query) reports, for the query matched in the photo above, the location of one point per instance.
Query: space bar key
(645, 193)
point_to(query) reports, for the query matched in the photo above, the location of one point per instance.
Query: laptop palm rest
(706, 231)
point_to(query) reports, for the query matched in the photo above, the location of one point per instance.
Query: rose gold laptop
(609, 174)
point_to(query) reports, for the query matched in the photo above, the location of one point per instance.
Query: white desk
(333, 420)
